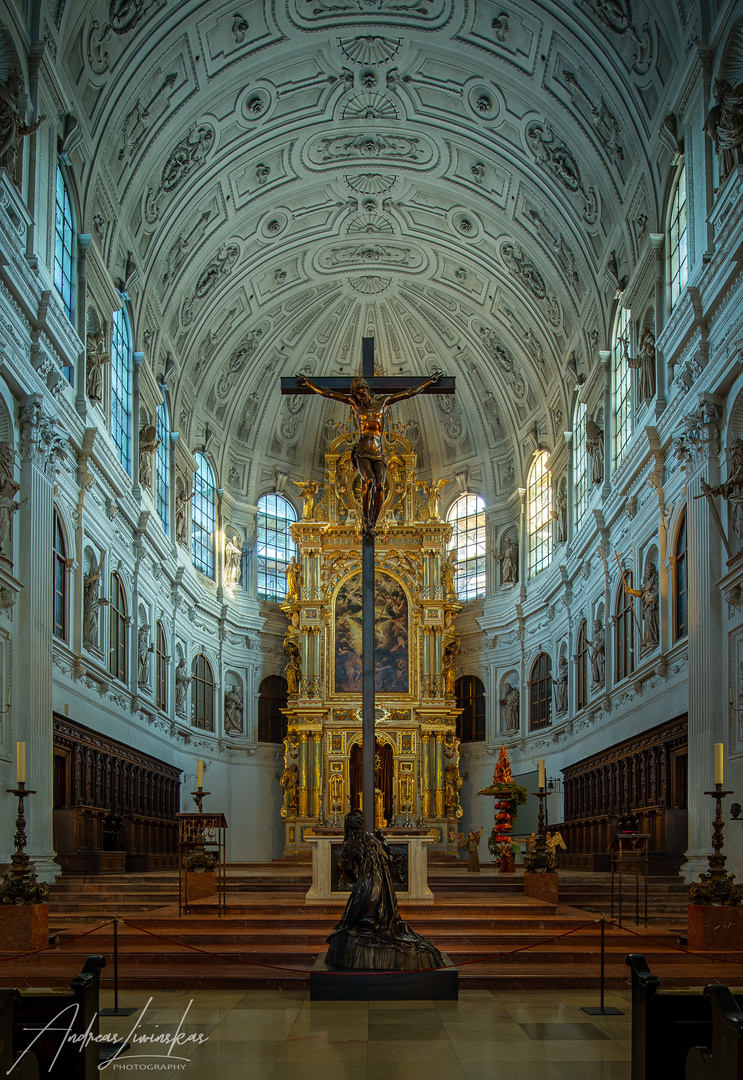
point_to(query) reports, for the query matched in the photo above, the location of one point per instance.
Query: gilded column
(426, 664)
(439, 777)
(304, 778)
(425, 776)
(317, 774)
(32, 706)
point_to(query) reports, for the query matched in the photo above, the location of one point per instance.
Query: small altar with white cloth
(410, 844)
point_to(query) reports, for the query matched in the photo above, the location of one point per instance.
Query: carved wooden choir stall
(114, 808)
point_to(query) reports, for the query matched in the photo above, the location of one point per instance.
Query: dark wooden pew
(28, 1068)
(725, 1062)
(666, 1024)
(75, 1010)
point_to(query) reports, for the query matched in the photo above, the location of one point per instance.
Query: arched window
(271, 700)
(582, 660)
(275, 546)
(540, 693)
(680, 588)
(202, 694)
(162, 466)
(161, 667)
(580, 464)
(121, 388)
(203, 516)
(64, 247)
(467, 515)
(470, 694)
(625, 631)
(60, 581)
(678, 238)
(622, 384)
(118, 624)
(539, 503)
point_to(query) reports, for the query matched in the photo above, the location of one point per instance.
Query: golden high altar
(416, 642)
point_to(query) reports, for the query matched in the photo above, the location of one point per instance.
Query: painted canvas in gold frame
(392, 636)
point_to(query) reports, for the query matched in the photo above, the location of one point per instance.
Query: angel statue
(308, 490)
(433, 496)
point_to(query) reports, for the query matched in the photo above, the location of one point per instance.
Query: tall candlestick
(20, 767)
(199, 773)
(718, 762)
(541, 773)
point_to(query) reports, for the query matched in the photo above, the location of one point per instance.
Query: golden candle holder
(716, 887)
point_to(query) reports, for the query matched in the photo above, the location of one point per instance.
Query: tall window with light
(275, 546)
(540, 693)
(203, 516)
(272, 698)
(467, 515)
(202, 694)
(64, 247)
(680, 585)
(470, 695)
(161, 667)
(622, 385)
(678, 240)
(582, 660)
(60, 581)
(121, 389)
(118, 626)
(624, 629)
(162, 466)
(539, 504)
(580, 465)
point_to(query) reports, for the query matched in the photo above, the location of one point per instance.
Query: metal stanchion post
(591, 1010)
(116, 1011)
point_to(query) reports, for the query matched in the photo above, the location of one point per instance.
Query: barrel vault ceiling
(463, 179)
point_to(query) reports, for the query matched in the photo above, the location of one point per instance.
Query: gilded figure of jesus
(367, 455)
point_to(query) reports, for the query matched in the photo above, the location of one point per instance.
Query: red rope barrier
(277, 967)
(45, 948)
(680, 948)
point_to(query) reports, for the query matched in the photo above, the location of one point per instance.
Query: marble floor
(282, 1035)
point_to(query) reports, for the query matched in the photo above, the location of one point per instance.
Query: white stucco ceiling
(451, 176)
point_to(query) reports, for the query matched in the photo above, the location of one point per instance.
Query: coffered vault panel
(453, 177)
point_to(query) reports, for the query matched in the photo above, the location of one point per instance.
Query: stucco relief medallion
(414, 151)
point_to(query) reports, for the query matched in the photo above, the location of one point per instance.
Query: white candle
(541, 774)
(20, 767)
(199, 773)
(718, 762)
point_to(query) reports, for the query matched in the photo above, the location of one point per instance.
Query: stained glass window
(580, 465)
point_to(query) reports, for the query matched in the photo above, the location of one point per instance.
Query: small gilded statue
(449, 576)
(432, 492)
(308, 489)
(470, 844)
(293, 579)
(367, 456)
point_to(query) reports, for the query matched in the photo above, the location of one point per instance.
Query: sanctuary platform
(269, 936)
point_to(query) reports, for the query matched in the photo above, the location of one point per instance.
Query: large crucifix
(369, 395)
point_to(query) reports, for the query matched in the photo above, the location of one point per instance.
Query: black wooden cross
(379, 384)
